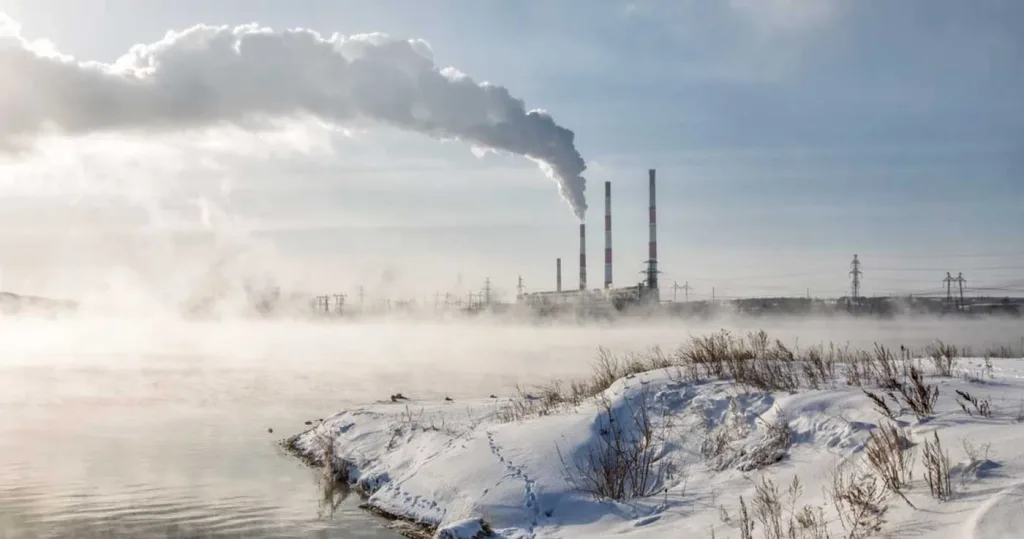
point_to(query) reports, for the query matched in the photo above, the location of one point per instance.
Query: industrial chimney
(583, 256)
(558, 274)
(652, 245)
(607, 235)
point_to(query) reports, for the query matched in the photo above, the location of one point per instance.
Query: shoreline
(406, 527)
(516, 466)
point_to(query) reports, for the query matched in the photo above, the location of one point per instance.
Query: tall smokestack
(607, 235)
(652, 245)
(583, 256)
(558, 274)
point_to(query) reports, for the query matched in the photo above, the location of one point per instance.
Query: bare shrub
(890, 453)
(334, 477)
(858, 370)
(715, 352)
(746, 523)
(716, 449)
(607, 369)
(1001, 352)
(686, 370)
(819, 367)
(811, 523)
(976, 458)
(781, 517)
(861, 502)
(717, 446)
(768, 508)
(775, 369)
(936, 464)
(625, 463)
(885, 369)
(880, 405)
(519, 406)
(770, 449)
(918, 395)
(974, 453)
(981, 407)
(944, 357)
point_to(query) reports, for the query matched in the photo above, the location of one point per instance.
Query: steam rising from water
(210, 75)
(359, 361)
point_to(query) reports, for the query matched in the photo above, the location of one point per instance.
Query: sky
(787, 135)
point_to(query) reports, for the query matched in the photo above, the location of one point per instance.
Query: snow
(453, 466)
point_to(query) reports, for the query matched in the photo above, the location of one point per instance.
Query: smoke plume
(208, 75)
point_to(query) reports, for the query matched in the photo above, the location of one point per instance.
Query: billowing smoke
(209, 75)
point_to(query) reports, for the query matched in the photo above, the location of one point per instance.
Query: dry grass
(861, 502)
(944, 357)
(780, 514)
(881, 406)
(980, 407)
(626, 462)
(755, 362)
(936, 465)
(918, 395)
(334, 477)
(890, 454)
(770, 449)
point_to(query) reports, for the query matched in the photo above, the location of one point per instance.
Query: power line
(943, 256)
(996, 268)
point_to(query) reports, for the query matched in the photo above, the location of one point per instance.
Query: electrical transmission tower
(948, 281)
(961, 282)
(685, 288)
(856, 273)
(339, 303)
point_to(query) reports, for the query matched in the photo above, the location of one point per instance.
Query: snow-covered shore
(469, 468)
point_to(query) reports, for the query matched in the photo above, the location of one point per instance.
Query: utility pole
(948, 281)
(685, 288)
(487, 291)
(519, 287)
(856, 273)
(360, 297)
(339, 302)
(961, 282)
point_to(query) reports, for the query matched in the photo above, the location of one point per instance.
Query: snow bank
(455, 468)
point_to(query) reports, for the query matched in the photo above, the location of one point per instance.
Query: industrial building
(645, 292)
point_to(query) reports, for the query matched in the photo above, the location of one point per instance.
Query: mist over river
(120, 426)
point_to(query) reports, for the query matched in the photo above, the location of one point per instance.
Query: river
(137, 427)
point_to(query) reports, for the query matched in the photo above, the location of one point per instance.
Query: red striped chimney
(583, 256)
(652, 245)
(607, 235)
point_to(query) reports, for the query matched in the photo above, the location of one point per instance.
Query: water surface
(138, 427)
